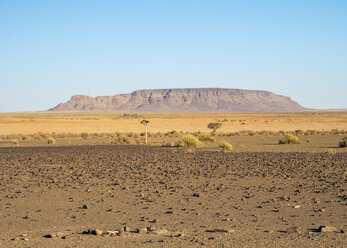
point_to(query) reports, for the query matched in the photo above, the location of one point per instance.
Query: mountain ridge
(184, 100)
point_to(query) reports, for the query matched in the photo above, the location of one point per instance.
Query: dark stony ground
(137, 196)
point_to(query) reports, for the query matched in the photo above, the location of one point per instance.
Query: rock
(112, 233)
(143, 230)
(160, 231)
(123, 234)
(328, 229)
(221, 230)
(297, 206)
(57, 234)
(71, 236)
(196, 195)
(93, 232)
(293, 229)
(20, 237)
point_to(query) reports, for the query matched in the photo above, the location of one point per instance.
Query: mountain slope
(184, 100)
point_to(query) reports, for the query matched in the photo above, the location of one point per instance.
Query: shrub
(343, 142)
(15, 142)
(121, 140)
(51, 140)
(289, 139)
(226, 147)
(188, 140)
(206, 137)
(84, 135)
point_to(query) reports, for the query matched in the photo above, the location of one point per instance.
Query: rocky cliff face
(184, 100)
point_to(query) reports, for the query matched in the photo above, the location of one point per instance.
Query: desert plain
(83, 191)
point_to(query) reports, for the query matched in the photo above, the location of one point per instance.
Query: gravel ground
(138, 196)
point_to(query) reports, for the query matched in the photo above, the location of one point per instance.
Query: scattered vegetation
(51, 140)
(121, 140)
(188, 140)
(15, 142)
(214, 126)
(226, 147)
(343, 142)
(289, 139)
(206, 137)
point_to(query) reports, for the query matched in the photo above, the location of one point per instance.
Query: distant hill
(185, 100)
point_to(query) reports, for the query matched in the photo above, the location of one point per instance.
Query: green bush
(188, 140)
(206, 137)
(226, 147)
(51, 140)
(343, 142)
(15, 142)
(289, 139)
(121, 140)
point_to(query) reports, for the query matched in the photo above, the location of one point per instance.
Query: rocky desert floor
(142, 196)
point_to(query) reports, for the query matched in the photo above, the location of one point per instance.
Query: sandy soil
(29, 123)
(169, 197)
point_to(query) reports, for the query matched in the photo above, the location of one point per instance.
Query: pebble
(221, 230)
(328, 229)
(112, 233)
(160, 231)
(71, 236)
(143, 230)
(96, 232)
(293, 229)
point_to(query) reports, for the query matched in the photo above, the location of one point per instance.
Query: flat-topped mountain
(185, 100)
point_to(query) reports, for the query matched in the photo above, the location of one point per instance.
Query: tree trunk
(146, 134)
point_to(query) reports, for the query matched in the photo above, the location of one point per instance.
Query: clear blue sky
(51, 50)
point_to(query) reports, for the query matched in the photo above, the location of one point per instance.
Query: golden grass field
(318, 132)
(48, 122)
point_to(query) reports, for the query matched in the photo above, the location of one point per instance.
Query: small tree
(145, 123)
(214, 126)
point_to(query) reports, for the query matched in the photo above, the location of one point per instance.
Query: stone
(160, 231)
(96, 232)
(328, 229)
(71, 236)
(143, 230)
(58, 234)
(293, 229)
(221, 230)
(112, 233)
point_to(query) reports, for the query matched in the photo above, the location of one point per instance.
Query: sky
(52, 50)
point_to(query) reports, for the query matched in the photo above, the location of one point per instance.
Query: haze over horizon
(51, 51)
